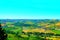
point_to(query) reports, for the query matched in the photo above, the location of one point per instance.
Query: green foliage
(15, 29)
(56, 31)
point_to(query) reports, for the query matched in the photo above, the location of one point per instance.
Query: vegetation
(46, 29)
(3, 35)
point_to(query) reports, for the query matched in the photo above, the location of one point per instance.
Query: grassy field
(32, 29)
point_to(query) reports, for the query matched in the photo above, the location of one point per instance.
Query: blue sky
(29, 9)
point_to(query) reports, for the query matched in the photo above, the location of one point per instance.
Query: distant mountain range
(26, 19)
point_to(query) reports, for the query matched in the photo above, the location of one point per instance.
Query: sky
(29, 9)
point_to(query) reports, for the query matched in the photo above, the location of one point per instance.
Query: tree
(3, 35)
